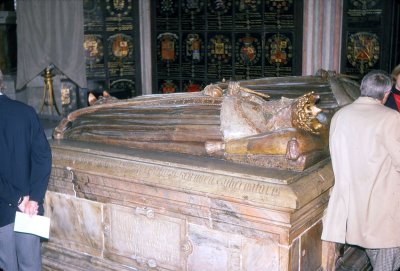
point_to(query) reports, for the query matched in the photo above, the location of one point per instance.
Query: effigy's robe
(226, 121)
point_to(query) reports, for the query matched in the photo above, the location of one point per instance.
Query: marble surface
(119, 209)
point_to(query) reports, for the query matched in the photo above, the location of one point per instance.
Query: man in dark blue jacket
(25, 166)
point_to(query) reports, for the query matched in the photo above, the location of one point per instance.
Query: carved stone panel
(76, 223)
(143, 238)
(222, 251)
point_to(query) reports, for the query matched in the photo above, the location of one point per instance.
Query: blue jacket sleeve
(41, 160)
(8, 193)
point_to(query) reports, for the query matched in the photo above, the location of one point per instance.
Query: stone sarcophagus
(218, 180)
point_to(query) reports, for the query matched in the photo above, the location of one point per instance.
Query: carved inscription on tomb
(264, 190)
(217, 183)
(145, 237)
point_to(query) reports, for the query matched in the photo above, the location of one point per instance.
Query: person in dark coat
(25, 166)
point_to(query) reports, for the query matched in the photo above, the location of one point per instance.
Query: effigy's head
(213, 91)
(305, 114)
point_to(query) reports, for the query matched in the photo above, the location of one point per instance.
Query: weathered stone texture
(122, 209)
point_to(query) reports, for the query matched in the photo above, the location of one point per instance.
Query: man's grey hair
(375, 84)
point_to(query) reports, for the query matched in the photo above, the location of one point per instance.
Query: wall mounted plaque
(119, 15)
(121, 46)
(213, 40)
(366, 13)
(219, 56)
(192, 86)
(279, 53)
(248, 52)
(193, 14)
(363, 49)
(120, 54)
(168, 86)
(369, 36)
(279, 13)
(167, 14)
(168, 47)
(194, 45)
(248, 49)
(93, 48)
(220, 14)
(93, 16)
(248, 14)
(279, 5)
(109, 42)
(119, 8)
(93, 45)
(168, 54)
(219, 49)
(121, 88)
(193, 56)
(219, 7)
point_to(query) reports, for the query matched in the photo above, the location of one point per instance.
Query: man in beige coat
(364, 207)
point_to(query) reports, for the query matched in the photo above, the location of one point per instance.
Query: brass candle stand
(48, 95)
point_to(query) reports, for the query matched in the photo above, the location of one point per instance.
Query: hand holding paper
(37, 225)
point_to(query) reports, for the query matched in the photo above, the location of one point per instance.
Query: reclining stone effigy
(225, 178)
(227, 121)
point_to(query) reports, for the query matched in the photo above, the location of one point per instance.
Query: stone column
(322, 35)
(145, 48)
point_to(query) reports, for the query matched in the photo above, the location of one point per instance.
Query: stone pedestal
(121, 209)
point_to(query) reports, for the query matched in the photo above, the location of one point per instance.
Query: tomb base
(122, 209)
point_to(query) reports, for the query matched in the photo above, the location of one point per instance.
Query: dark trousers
(384, 259)
(19, 251)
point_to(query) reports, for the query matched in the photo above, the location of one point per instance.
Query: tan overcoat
(364, 207)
